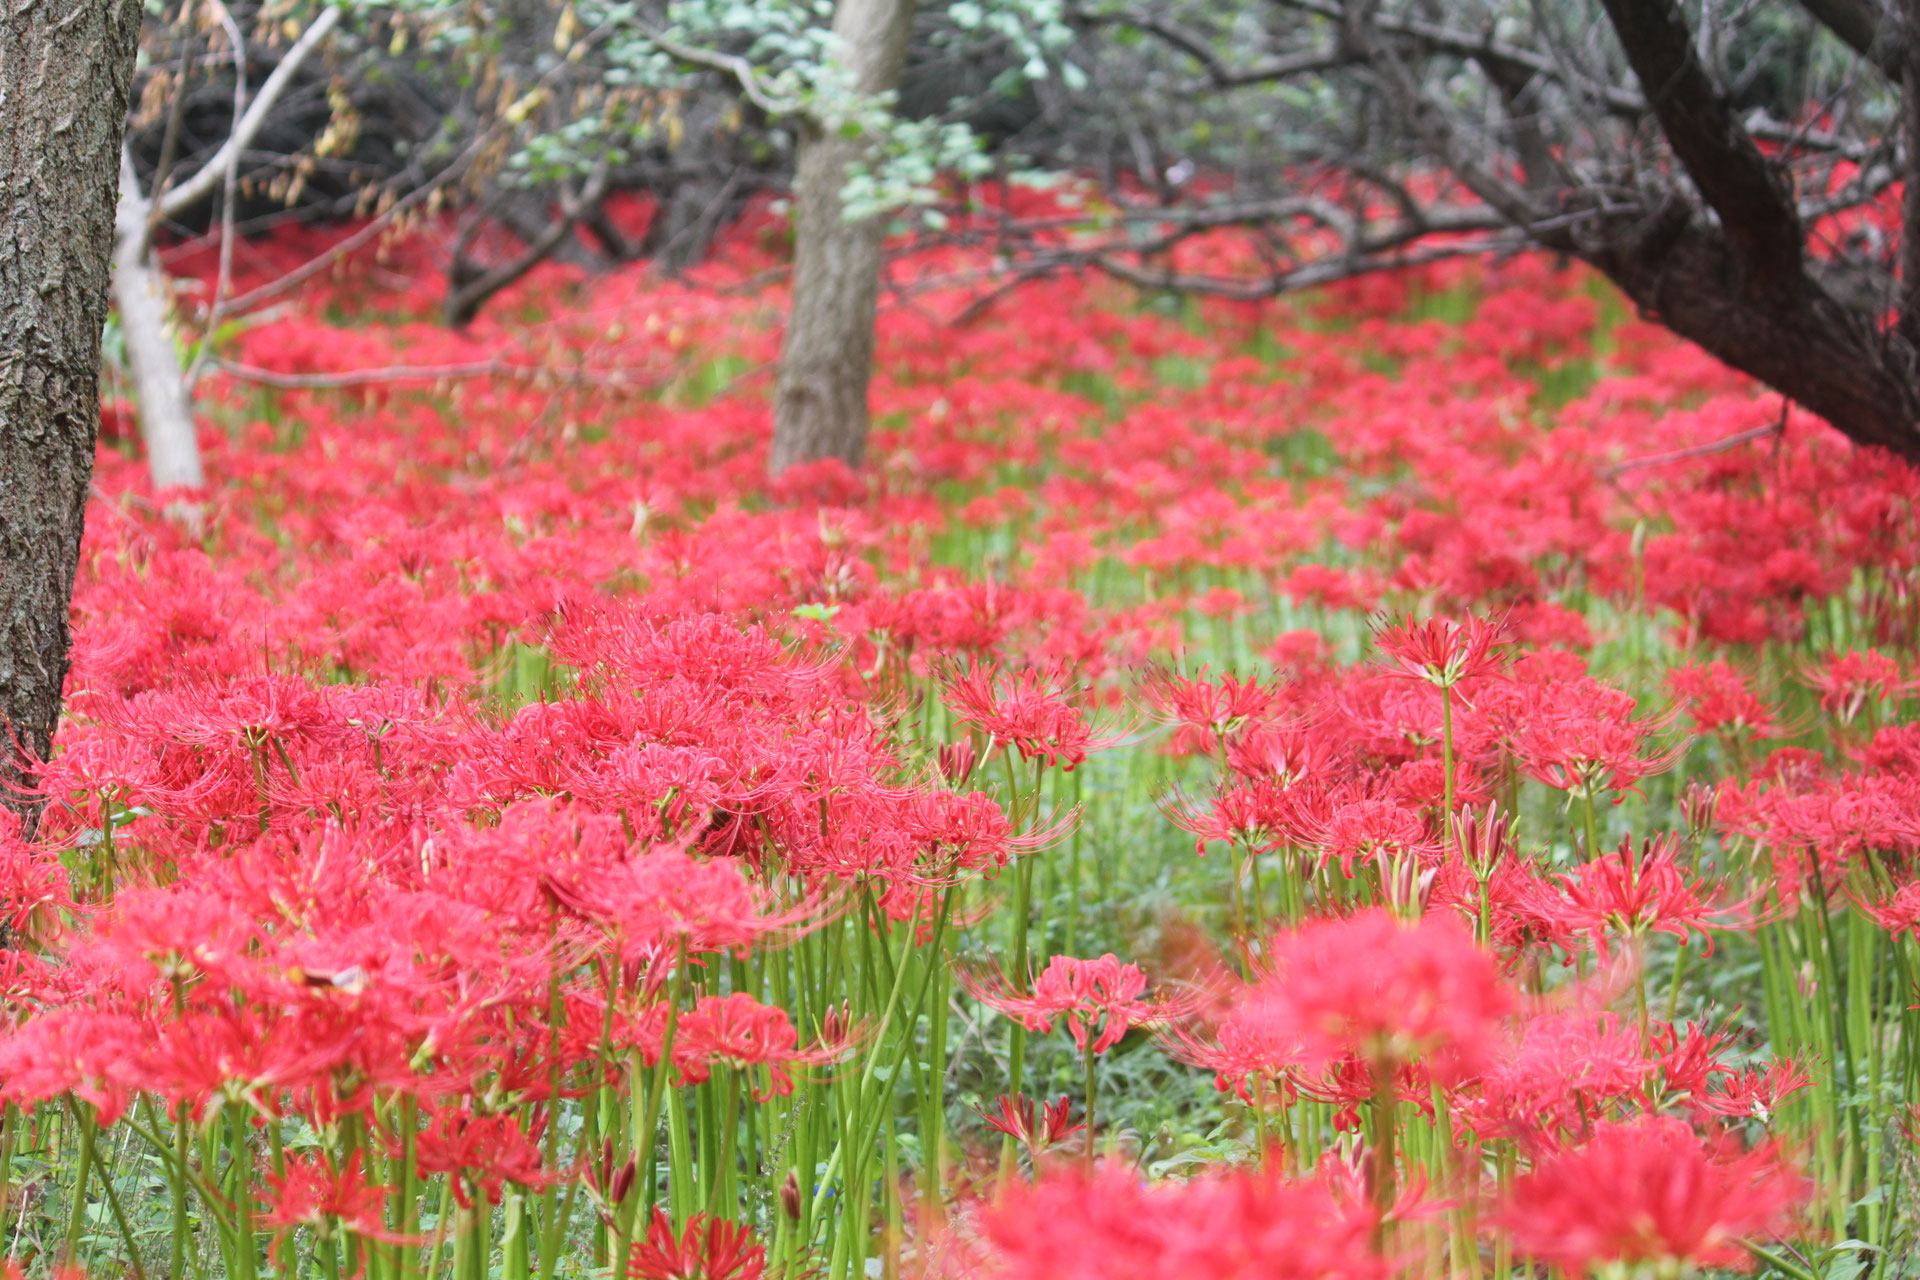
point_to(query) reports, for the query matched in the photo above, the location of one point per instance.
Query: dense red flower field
(1412, 780)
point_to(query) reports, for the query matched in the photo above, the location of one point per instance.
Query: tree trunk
(140, 285)
(820, 403)
(65, 70)
(159, 384)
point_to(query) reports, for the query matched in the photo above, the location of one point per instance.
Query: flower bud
(621, 1183)
(957, 760)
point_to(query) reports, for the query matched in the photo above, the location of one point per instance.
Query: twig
(246, 126)
(1699, 450)
(614, 378)
(740, 69)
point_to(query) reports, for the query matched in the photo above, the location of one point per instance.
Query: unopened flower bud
(790, 1196)
(956, 762)
(1697, 804)
(621, 1183)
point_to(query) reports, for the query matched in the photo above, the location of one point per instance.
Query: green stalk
(1446, 765)
(1017, 976)
(649, 1119)
(407, 1217)
(243, 1253)
(76, 1218)
(1593, 824)
(1384, 1126)
(1090, 1056)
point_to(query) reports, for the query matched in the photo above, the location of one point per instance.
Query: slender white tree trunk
(153, 361)
(820, 401)
(140, 286)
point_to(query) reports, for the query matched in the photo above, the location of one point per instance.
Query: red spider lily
(654, 900)
(1026, 709)
(1442, 652)
(482, 1152)
(313, 1193)
(1039, 1130)
(1207, 706)
(1247, 815)
(73, 1051)
(1256, 1044)
(1286, 754)
(1631, 894)
(1848, 682)
(707, 1248)
(1650, 1191)
(33, 883)
(1900, 911)
(1102, 999)
(1719, 700)
(1565, 1065)
(1585, 739)
(1484, 841)
(1375, 830)
(1239, 1225)
(1386, 991)
(1755, 1093)
(738, 1031)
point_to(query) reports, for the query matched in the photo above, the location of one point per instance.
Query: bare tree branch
(173, 203)
(1866, 28)
(1736, 180)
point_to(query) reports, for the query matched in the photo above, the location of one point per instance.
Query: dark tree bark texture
(820, 402)
(65, 69)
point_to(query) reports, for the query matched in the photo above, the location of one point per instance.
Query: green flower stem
(82, 1117)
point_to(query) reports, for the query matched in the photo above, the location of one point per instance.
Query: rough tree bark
(65, 70)
(820, 401)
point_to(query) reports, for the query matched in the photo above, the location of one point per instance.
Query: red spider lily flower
(1847, 682)
(1755, 1093)
(1243, 815)
(1899, 912)
(706, 1249)
(1566, 1064)
(1650, 1191)
(1386, 991)
(738, 1031)
(482, 1152)
(1443, 652)
(1583, 738)
(1631, 894)
(1240, 1225)
(1379, 831)
(1210, 707)
(1691, 1058)
(653, 900)
(1027, 709)
(313, 1193)
(1286, 754)
(73, 1051)
(1256, 1043)
(1100, 996)
(33, 883)
(1719, 700)
(1037, 1129)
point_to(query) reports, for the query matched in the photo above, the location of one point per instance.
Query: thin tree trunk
(820, 402)
(65, 70)
(140, 285)
(159, 384)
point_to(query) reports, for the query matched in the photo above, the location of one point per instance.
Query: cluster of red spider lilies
(508, 837)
